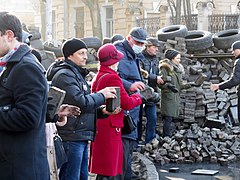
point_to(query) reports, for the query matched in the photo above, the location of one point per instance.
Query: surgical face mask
(137, 49)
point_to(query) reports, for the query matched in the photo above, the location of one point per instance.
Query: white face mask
(137, 49)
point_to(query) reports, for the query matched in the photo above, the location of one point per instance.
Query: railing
(216, 23)
(220, 22)
(151, 25)
(190, 21)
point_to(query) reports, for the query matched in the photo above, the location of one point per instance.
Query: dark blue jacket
(23, 101)
(67, 76)
(129, 72)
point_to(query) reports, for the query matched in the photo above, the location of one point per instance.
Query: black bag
(61, 156)
(129, 124)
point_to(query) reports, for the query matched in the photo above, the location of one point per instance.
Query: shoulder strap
(100, 79)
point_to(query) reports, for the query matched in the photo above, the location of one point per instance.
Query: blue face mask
(137, 49)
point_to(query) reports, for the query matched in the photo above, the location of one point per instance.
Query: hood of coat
(54, 68)
(167, 64)
(65, 64)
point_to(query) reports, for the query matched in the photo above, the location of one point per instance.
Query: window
(109, 21)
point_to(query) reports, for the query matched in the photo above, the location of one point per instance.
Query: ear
(10, 35)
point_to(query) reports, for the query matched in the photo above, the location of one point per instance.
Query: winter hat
(171, 54)
(152, 42)
(109, 55)
(236, 45)
(116, 37)
(26, 37)
(138, 34)
(71, 46)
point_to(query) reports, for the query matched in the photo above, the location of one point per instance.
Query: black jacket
(151, 65)
(67, 76)
(235, 78)
(23, 101)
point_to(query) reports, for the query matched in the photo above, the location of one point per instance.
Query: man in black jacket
(23, 104)
(69, 75)
(150, 63)
(235, 77)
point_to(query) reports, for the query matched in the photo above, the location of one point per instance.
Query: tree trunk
(93, 6)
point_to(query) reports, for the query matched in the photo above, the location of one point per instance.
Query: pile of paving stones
(196, 145)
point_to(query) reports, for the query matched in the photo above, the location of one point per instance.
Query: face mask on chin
(137, 49)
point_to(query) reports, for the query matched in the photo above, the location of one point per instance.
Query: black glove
(172, 87)
(193, 84)
(148, 95)
(155, 98)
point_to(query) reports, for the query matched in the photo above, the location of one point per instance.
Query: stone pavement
(142, 166)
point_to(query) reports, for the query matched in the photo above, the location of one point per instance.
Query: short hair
(10, 22)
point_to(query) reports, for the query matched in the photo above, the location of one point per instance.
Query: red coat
(107, 151)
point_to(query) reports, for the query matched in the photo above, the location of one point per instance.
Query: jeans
(128, 147)
(167, 121)
(76, 168)
(151, 115)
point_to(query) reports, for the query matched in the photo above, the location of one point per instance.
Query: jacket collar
(106, 69)
(21, 51)
(129, 48)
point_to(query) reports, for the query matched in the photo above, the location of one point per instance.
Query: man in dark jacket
(150, 63)
(23, 102)
(69, 75)
(129, 72)
(235, 77)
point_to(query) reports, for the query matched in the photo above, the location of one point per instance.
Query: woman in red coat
(106, 157)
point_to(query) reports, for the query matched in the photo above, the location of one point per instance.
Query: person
(69, 75)
(56, 157)
(235, 76)
(26, 38)
(23, 104)
(171, 71)
(106, 151)
(150, 64)
(128, 69)
(116, 37)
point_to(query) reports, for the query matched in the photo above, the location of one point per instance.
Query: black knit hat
(71, 46)
(236, 45)
(116, 37)
(171, 54)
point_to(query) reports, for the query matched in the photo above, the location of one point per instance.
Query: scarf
(5, 59)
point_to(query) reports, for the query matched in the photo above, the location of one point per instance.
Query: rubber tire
(198, 40)
(224, 39)
(106, 40)
(170, 32)
(92, 42)
(57, 50)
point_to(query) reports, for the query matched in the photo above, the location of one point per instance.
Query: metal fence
(220, 22)
(216, 23)
(151, 25)
(190, 21)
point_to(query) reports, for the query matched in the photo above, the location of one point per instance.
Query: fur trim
(166, 63)
(144, 73)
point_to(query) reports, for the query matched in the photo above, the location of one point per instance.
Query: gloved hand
(193, 84)
(148, 95)
(172, 87)
(155, 98)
